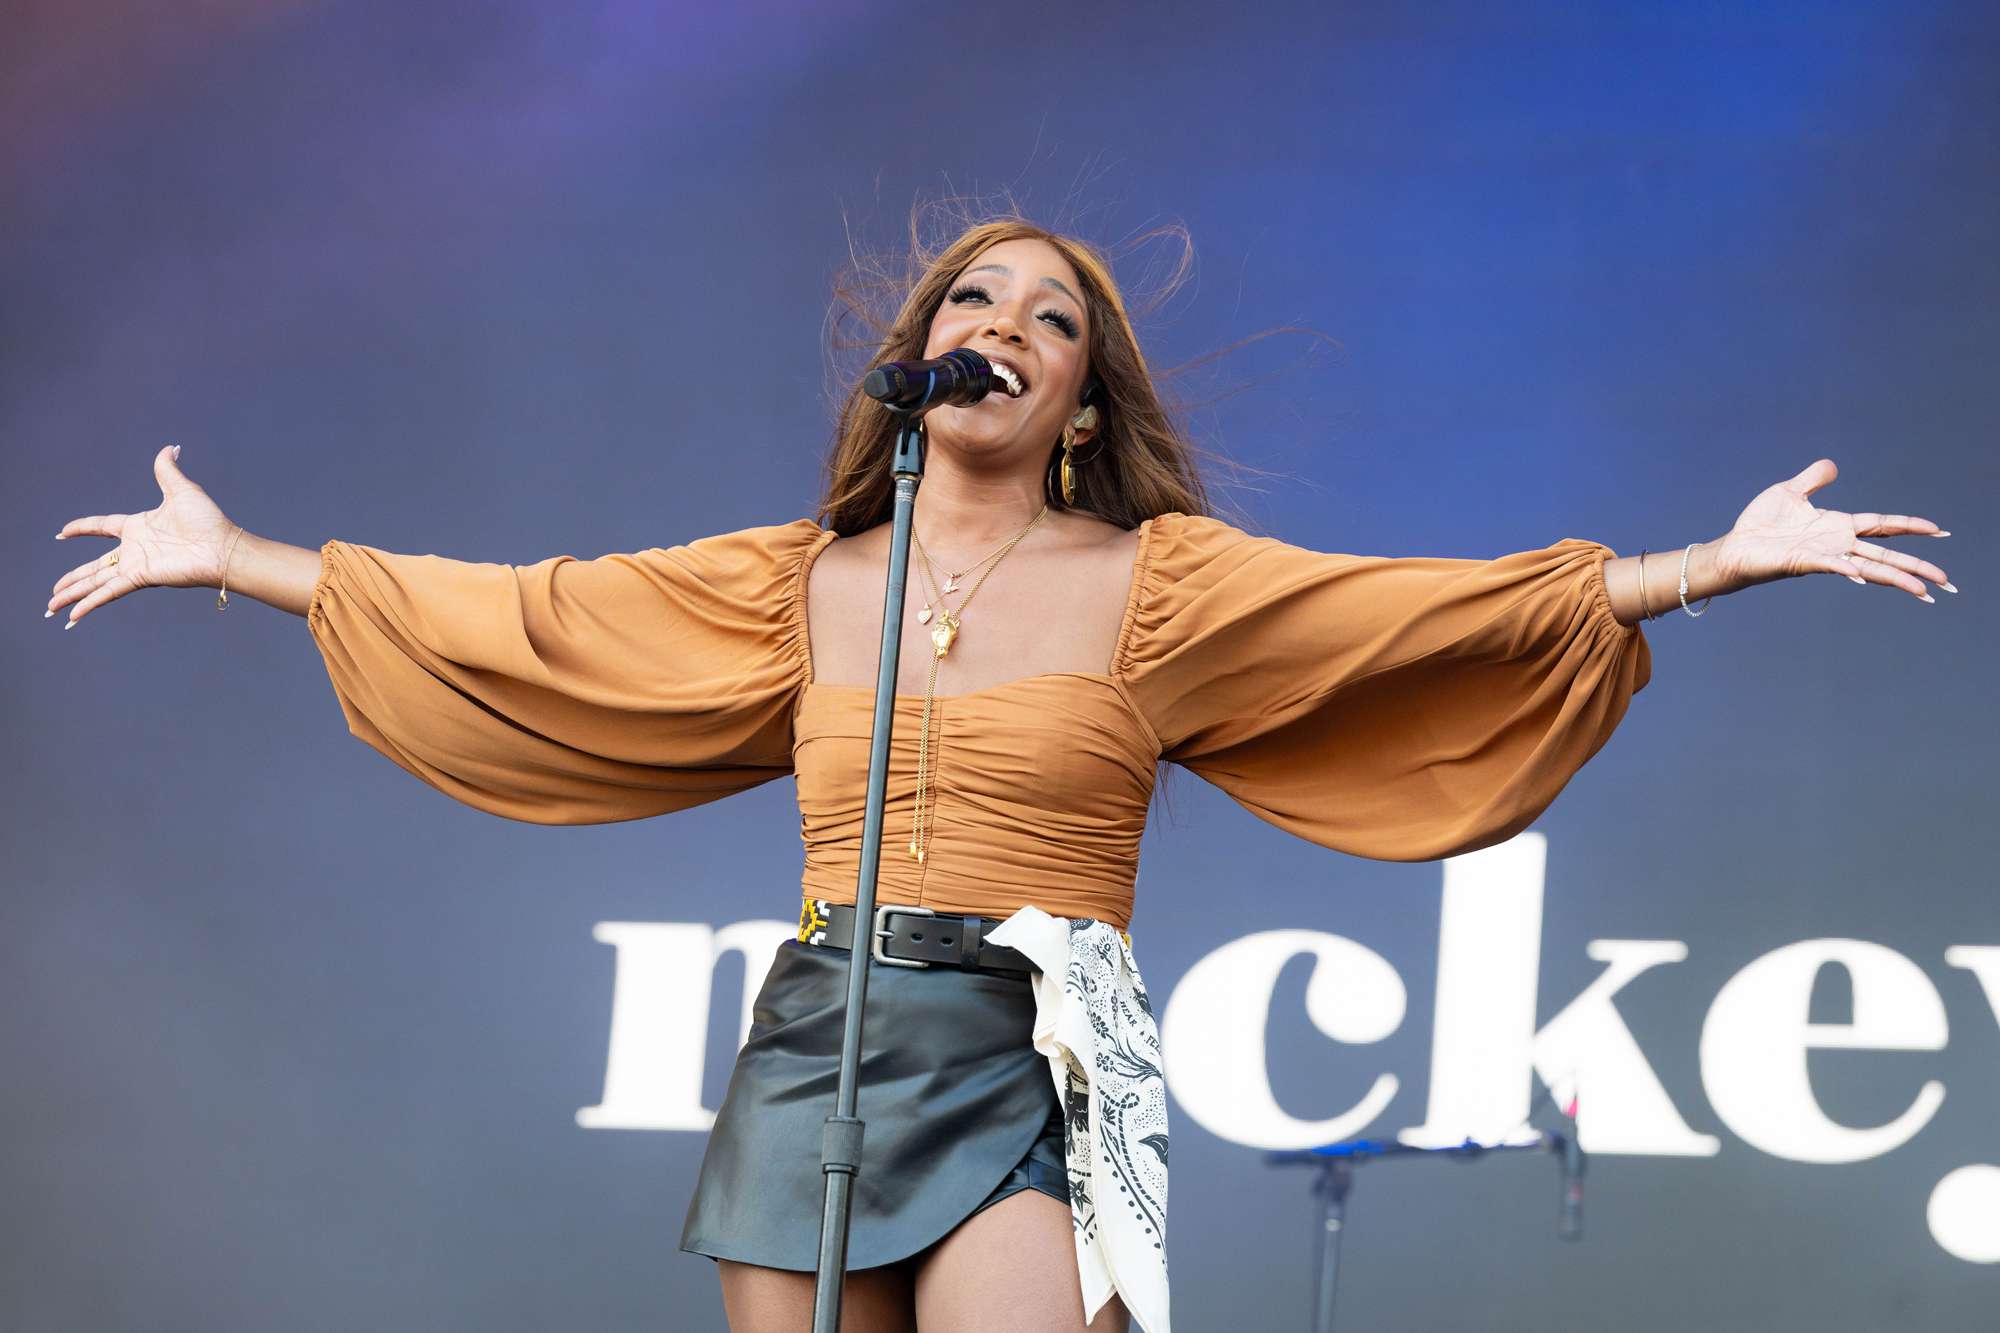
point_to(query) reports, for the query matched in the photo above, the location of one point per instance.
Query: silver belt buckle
(882, 934)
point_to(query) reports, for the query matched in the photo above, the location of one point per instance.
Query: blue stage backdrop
(295, 1042)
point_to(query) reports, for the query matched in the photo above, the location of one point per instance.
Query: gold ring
(113, 560)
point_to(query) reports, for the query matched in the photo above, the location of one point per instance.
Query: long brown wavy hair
(1141, 462)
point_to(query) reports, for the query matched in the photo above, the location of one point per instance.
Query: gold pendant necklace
(950, 579)
(946, 631)
(943, 635)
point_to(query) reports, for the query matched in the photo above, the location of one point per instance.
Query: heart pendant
(924, 616)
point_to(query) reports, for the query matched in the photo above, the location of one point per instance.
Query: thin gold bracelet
(1642, 585)
(222, 598)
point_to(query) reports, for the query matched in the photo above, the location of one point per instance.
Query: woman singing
(1074, 615)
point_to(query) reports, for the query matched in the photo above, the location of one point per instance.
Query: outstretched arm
(1780, 535)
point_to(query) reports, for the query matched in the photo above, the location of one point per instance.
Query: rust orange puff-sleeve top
(1397, 708)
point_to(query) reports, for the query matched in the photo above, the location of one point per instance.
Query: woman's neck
(955, 514)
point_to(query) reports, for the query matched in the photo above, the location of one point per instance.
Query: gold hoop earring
(1084, 420)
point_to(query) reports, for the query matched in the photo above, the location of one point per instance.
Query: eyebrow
(1046, 282)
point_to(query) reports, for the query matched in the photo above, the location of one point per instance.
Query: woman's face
(1017, 302)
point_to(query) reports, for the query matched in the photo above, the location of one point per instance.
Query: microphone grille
(883, 383)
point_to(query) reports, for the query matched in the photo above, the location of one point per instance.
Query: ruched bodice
(1403, 709)
(1041, 782)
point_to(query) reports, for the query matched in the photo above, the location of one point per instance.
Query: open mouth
(1011, 381)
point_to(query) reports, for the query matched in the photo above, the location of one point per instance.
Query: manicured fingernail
(1947, 587)
(1928, 598)
(60, 536)
(47, 614)
(70, 625)
(1940, 534)
(177, 453)
(1852, 579)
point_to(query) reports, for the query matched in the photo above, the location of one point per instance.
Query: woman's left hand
(1781, 535)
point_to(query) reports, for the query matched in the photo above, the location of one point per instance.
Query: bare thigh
(1010, 1267)
(773, 1300)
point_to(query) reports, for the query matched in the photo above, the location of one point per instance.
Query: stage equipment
(956, 379)
(909, 389)
(1335, 1163)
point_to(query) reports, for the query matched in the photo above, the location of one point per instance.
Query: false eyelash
(1061, 319)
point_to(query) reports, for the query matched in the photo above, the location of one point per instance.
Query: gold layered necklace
(943, 634)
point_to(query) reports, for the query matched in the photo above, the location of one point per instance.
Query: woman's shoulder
(761, 561)
(783, 543)
(1178, 545)
(1177, 526)
(1194, 573)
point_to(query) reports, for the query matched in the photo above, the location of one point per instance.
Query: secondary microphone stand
(1336, 1163)
(840, 1147)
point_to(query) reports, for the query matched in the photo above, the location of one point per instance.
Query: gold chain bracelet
(222, 597)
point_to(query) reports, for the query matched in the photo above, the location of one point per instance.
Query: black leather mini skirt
(961, 1111)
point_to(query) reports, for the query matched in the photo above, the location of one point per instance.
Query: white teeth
(1010, 378)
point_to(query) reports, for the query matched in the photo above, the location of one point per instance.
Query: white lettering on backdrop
(1484, 1045)
(1214, 1025)
(1486, 1051)
(659, 1017)
(1754, 1044)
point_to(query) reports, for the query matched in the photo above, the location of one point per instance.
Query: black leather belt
(912, 936)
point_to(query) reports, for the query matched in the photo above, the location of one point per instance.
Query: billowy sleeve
(1404, 709)
(573, 691)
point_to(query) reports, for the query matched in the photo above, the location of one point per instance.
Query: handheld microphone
(957, 379)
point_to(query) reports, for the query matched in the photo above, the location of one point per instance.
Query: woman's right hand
(180, 544)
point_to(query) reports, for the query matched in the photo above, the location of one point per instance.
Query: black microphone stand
(1336, 1162)
(840, 1148)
